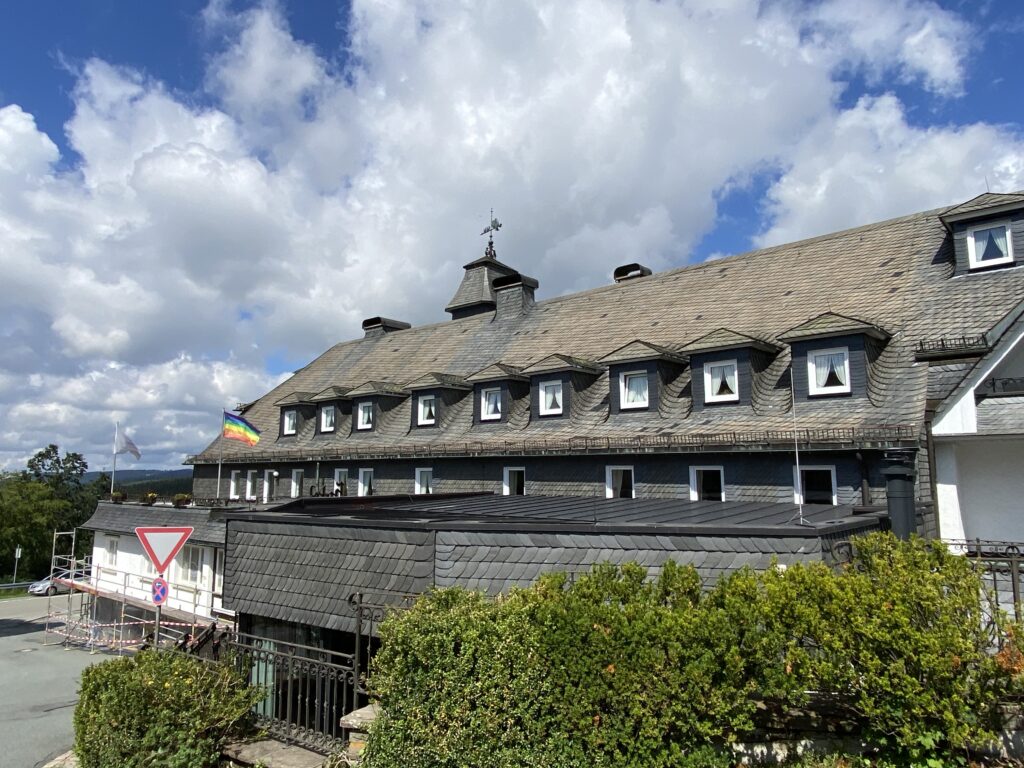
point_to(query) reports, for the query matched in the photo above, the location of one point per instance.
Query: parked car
(58, 583)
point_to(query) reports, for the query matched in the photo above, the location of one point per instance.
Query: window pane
(817, 486)
(327, 419)
(723, 380)
(492, 402)
(289, 421)
(553, 397)
(340, 482)
(990, 244)
(427, 410)
(709, 485)
(636, 389)
(517, 482)
(622, 483)
(830, 370)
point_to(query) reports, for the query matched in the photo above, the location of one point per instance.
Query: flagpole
(113, 472)
(220, 459)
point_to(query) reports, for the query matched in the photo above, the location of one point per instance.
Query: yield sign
(162, 544)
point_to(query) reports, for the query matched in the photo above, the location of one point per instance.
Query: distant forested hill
(163, 482)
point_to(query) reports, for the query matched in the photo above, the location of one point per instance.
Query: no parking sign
(159, 590)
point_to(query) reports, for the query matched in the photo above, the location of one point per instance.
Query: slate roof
(980, 203)
(1001, 416)
(723, 338)
(557, 362)
(331, 393)
(497, 371)
(125, 518)
(378, 388)
(295, 398)
(476, 286)
(434, 380)
(831, 324)
(895, 275)
(302, 562)
(641, 350)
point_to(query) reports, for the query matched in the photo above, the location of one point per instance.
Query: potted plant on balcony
(118, 496)
(182, 499)
(150, 498)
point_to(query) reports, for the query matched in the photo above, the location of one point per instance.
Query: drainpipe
(899, 487)
(865, 487)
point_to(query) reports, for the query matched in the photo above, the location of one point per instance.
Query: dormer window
(291, 421)
(633, 391)
(989, 244)
(490, 404)
(426, 410)
(551, 398)
(720, 382)
(364, 419)
(828, 371)
(327, 416)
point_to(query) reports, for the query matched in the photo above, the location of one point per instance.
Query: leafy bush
(616, 669)
(159, 710)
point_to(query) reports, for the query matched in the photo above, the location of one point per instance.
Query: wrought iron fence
(1001, 567)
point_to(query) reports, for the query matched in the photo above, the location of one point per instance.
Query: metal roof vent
(630, 272)
(378, 326)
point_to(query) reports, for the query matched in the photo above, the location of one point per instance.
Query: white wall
(130, 576)
(991, 488)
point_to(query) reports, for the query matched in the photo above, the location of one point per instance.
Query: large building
(788, 374)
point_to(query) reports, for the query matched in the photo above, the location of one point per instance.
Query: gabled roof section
(638, 350)
(553, 363)
(382, 388)
(724, 338)
(983, 205)
(331, 393)
(829, 324)
(296, 398)
(435, 380)
(497, 372)
(476, 288)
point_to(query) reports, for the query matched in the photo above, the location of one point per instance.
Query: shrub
(615, 669)
(159, 710)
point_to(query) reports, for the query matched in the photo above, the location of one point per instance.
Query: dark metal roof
(303, 561)
(125, 518)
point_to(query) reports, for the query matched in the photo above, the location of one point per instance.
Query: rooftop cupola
(476, 292)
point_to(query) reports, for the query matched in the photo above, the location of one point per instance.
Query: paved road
(39, 685)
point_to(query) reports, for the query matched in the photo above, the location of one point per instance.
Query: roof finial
(491, 228)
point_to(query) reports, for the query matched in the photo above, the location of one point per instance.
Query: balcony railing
(1001, 387)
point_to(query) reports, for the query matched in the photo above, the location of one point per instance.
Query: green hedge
(159, 710)
(618, 670)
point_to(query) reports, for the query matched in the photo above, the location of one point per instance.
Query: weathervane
(493, 227)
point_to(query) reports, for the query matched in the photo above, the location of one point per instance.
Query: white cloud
(203, 234)
(868, 164)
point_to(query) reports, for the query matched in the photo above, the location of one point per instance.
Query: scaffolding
(105, 608)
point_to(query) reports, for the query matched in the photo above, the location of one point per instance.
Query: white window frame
(484, 416)
(705, 468)
(972, 256)
(421, 420)
(362, 423)
(298, 476)
(812, 372)
(293, 416)
(251, 479)
(506, 486)
(234, 483)
(113, 545)
(623, 405)
(544, 410)
(712, 398)
(609, 491)
(798, 491)
(184, 569)
(339, 474)
(268, 482)
(420, 471)
(333, 409)
(365, 473)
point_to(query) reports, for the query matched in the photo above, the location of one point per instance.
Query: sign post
(17, 557)
(161, 545)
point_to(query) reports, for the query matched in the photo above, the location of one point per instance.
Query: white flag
(124, 444)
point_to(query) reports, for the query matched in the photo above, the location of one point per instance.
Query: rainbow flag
(237, 428)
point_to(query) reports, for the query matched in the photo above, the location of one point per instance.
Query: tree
(63, 474)
(29, 513)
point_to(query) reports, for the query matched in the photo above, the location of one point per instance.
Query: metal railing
(307, 690)
(1001, 567)
(1004, 386)
(950, 345)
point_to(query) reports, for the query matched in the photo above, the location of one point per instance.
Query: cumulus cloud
(202, 235)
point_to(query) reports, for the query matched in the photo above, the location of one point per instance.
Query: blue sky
(198, 197)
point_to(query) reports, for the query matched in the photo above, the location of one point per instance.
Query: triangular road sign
(162, 544)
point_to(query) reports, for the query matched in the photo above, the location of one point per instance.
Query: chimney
(899, 491)
(630, 272)
(378, 326)
(513, 294)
